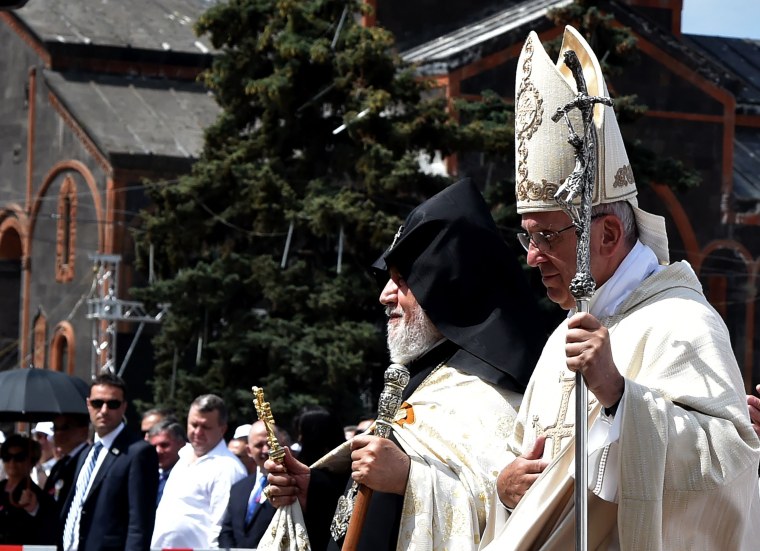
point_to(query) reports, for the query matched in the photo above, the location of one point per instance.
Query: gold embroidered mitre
(543, 156)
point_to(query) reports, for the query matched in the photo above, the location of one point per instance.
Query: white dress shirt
(195, 498)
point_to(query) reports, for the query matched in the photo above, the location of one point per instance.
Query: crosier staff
(352, 508)
(580, 184)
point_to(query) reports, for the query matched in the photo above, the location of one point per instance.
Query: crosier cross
(580, 182)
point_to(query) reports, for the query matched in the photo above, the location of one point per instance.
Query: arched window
(66, 234)
(62, 348)
(39, 339)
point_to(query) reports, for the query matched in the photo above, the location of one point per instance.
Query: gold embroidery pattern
(529, 112)
(531, 191)
(624, 177)
(558, 430)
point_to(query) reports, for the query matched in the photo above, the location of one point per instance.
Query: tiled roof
(161, 25)
(127, 116)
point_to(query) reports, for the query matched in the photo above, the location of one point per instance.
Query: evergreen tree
(262, 251)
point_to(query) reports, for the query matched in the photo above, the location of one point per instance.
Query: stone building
(98, 98)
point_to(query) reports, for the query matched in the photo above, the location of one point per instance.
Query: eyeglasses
(62, 428)
(111, 404)
(17, 457)
(542, 240)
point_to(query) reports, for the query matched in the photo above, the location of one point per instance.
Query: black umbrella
(40, 394)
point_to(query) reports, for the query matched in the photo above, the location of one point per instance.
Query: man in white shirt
(196, 494)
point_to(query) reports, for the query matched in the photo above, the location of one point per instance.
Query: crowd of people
(90, 482)
(480, 454)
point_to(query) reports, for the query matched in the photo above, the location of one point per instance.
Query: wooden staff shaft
(396, 379)
(359, 515)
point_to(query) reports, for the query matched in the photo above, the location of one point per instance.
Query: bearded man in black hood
(461, 318)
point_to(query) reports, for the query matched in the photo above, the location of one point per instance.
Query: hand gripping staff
(580, 183)
(352, 507)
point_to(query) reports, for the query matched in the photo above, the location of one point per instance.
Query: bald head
(258, 447)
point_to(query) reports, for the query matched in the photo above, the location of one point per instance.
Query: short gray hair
(169, 426)
(623, 211)
(207, 403)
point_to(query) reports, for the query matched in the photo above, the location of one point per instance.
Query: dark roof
(137, 117)
(479, 39)
(740, 56)
(159, 25)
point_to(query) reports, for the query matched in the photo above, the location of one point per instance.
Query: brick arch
(81, 168)
(13, 224)
(63, 336)
(682, 223)
(751, 265)
(58, 168)
(731, 245)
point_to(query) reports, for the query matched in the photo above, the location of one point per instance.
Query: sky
(736, 18)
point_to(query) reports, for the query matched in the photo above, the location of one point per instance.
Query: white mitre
(544, 158)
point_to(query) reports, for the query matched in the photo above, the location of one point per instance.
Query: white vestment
(455, 428)
(686, 451)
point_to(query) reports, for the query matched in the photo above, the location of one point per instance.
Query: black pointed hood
(470, 284)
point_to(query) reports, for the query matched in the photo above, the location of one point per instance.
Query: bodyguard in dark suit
(71, 432)
(113, 505)
(248, 512)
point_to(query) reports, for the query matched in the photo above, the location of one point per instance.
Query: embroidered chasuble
(454, 428)
(687, 454)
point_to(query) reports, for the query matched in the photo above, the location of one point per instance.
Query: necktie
(82, 482)
(162, 476)
(255, 498)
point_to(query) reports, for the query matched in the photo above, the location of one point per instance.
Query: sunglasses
(17, 457)
(61, 428)
(111, 404)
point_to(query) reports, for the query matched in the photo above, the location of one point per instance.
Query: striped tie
(83, 481)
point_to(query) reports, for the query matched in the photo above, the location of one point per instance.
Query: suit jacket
(235, 533)
(120, 509)
(61, 478)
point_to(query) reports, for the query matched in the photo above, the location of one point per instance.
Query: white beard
(407, 341)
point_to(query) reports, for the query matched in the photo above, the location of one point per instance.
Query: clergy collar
(439, 353)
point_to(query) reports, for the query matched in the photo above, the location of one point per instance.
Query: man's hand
(517, 477)
(753, 403)
(589, 352)
(379, 464)
(287, 481)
